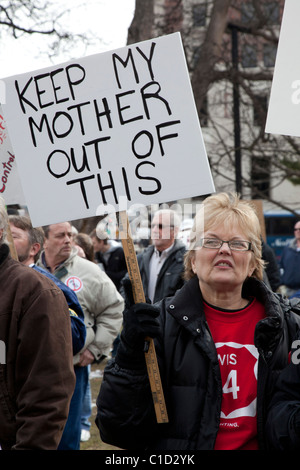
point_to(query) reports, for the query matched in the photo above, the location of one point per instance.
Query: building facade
(233, 111)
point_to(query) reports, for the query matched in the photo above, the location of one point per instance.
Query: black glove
(139, 321)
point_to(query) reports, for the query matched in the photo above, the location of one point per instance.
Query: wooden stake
(139, 296)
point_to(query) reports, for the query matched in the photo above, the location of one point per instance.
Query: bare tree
(19, 18)
(211, 51)
(141, 27)
(230, 48)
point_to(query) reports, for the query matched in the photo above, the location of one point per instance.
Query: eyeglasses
(161, 226)
(235, 245)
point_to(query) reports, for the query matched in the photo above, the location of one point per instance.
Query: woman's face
(223, 269)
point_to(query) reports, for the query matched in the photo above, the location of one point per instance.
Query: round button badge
(74, 283)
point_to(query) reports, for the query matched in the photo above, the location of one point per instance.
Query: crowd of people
(224, 316)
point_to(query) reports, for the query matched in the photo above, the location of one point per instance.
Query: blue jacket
(76, 312)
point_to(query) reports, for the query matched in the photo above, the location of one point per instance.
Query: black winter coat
(283, 424)
(191, 376)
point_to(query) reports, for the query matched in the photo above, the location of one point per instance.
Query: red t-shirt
(233, 335)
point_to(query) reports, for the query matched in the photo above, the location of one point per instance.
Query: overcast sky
(108, 20)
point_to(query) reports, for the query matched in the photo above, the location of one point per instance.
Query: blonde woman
(220, 342)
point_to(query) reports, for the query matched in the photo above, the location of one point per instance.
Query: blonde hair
(226, 209)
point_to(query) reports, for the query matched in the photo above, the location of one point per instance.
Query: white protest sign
(10, 185)
(112, 126)
(284, 107)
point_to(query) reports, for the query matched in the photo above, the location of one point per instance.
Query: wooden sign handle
(139, 296)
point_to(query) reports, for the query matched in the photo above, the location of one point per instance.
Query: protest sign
(284, 106)
(10, 185)
(118, 126)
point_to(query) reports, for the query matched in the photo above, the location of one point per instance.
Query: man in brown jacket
(36, 360)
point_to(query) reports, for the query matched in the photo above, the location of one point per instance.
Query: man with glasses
(161, 264)
(290, 264)
(102, 306)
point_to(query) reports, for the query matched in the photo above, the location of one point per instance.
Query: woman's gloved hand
(139, 321)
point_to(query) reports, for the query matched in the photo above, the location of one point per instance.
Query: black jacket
(170, 277)
(191, 376)
(283, 424)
